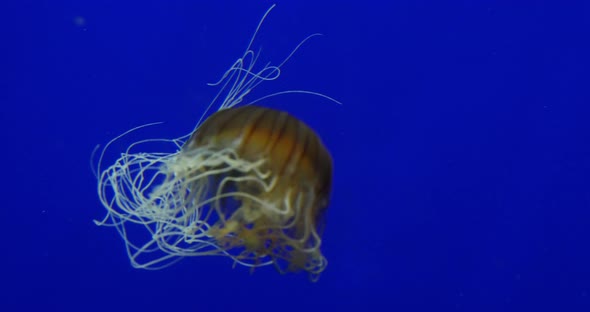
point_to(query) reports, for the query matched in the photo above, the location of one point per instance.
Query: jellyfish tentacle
(251, 190)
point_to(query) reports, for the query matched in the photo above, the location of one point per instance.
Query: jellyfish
(249, 182)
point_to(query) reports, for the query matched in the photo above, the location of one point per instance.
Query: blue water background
(461, 150)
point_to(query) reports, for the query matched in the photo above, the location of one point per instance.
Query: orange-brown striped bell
(300, 168)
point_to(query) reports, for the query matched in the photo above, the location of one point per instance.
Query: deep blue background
(461, 151)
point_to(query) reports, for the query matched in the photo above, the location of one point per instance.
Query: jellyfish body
(267, 178)
(250, 183)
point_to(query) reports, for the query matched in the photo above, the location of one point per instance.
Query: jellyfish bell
(279, 174)
(250, 183)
